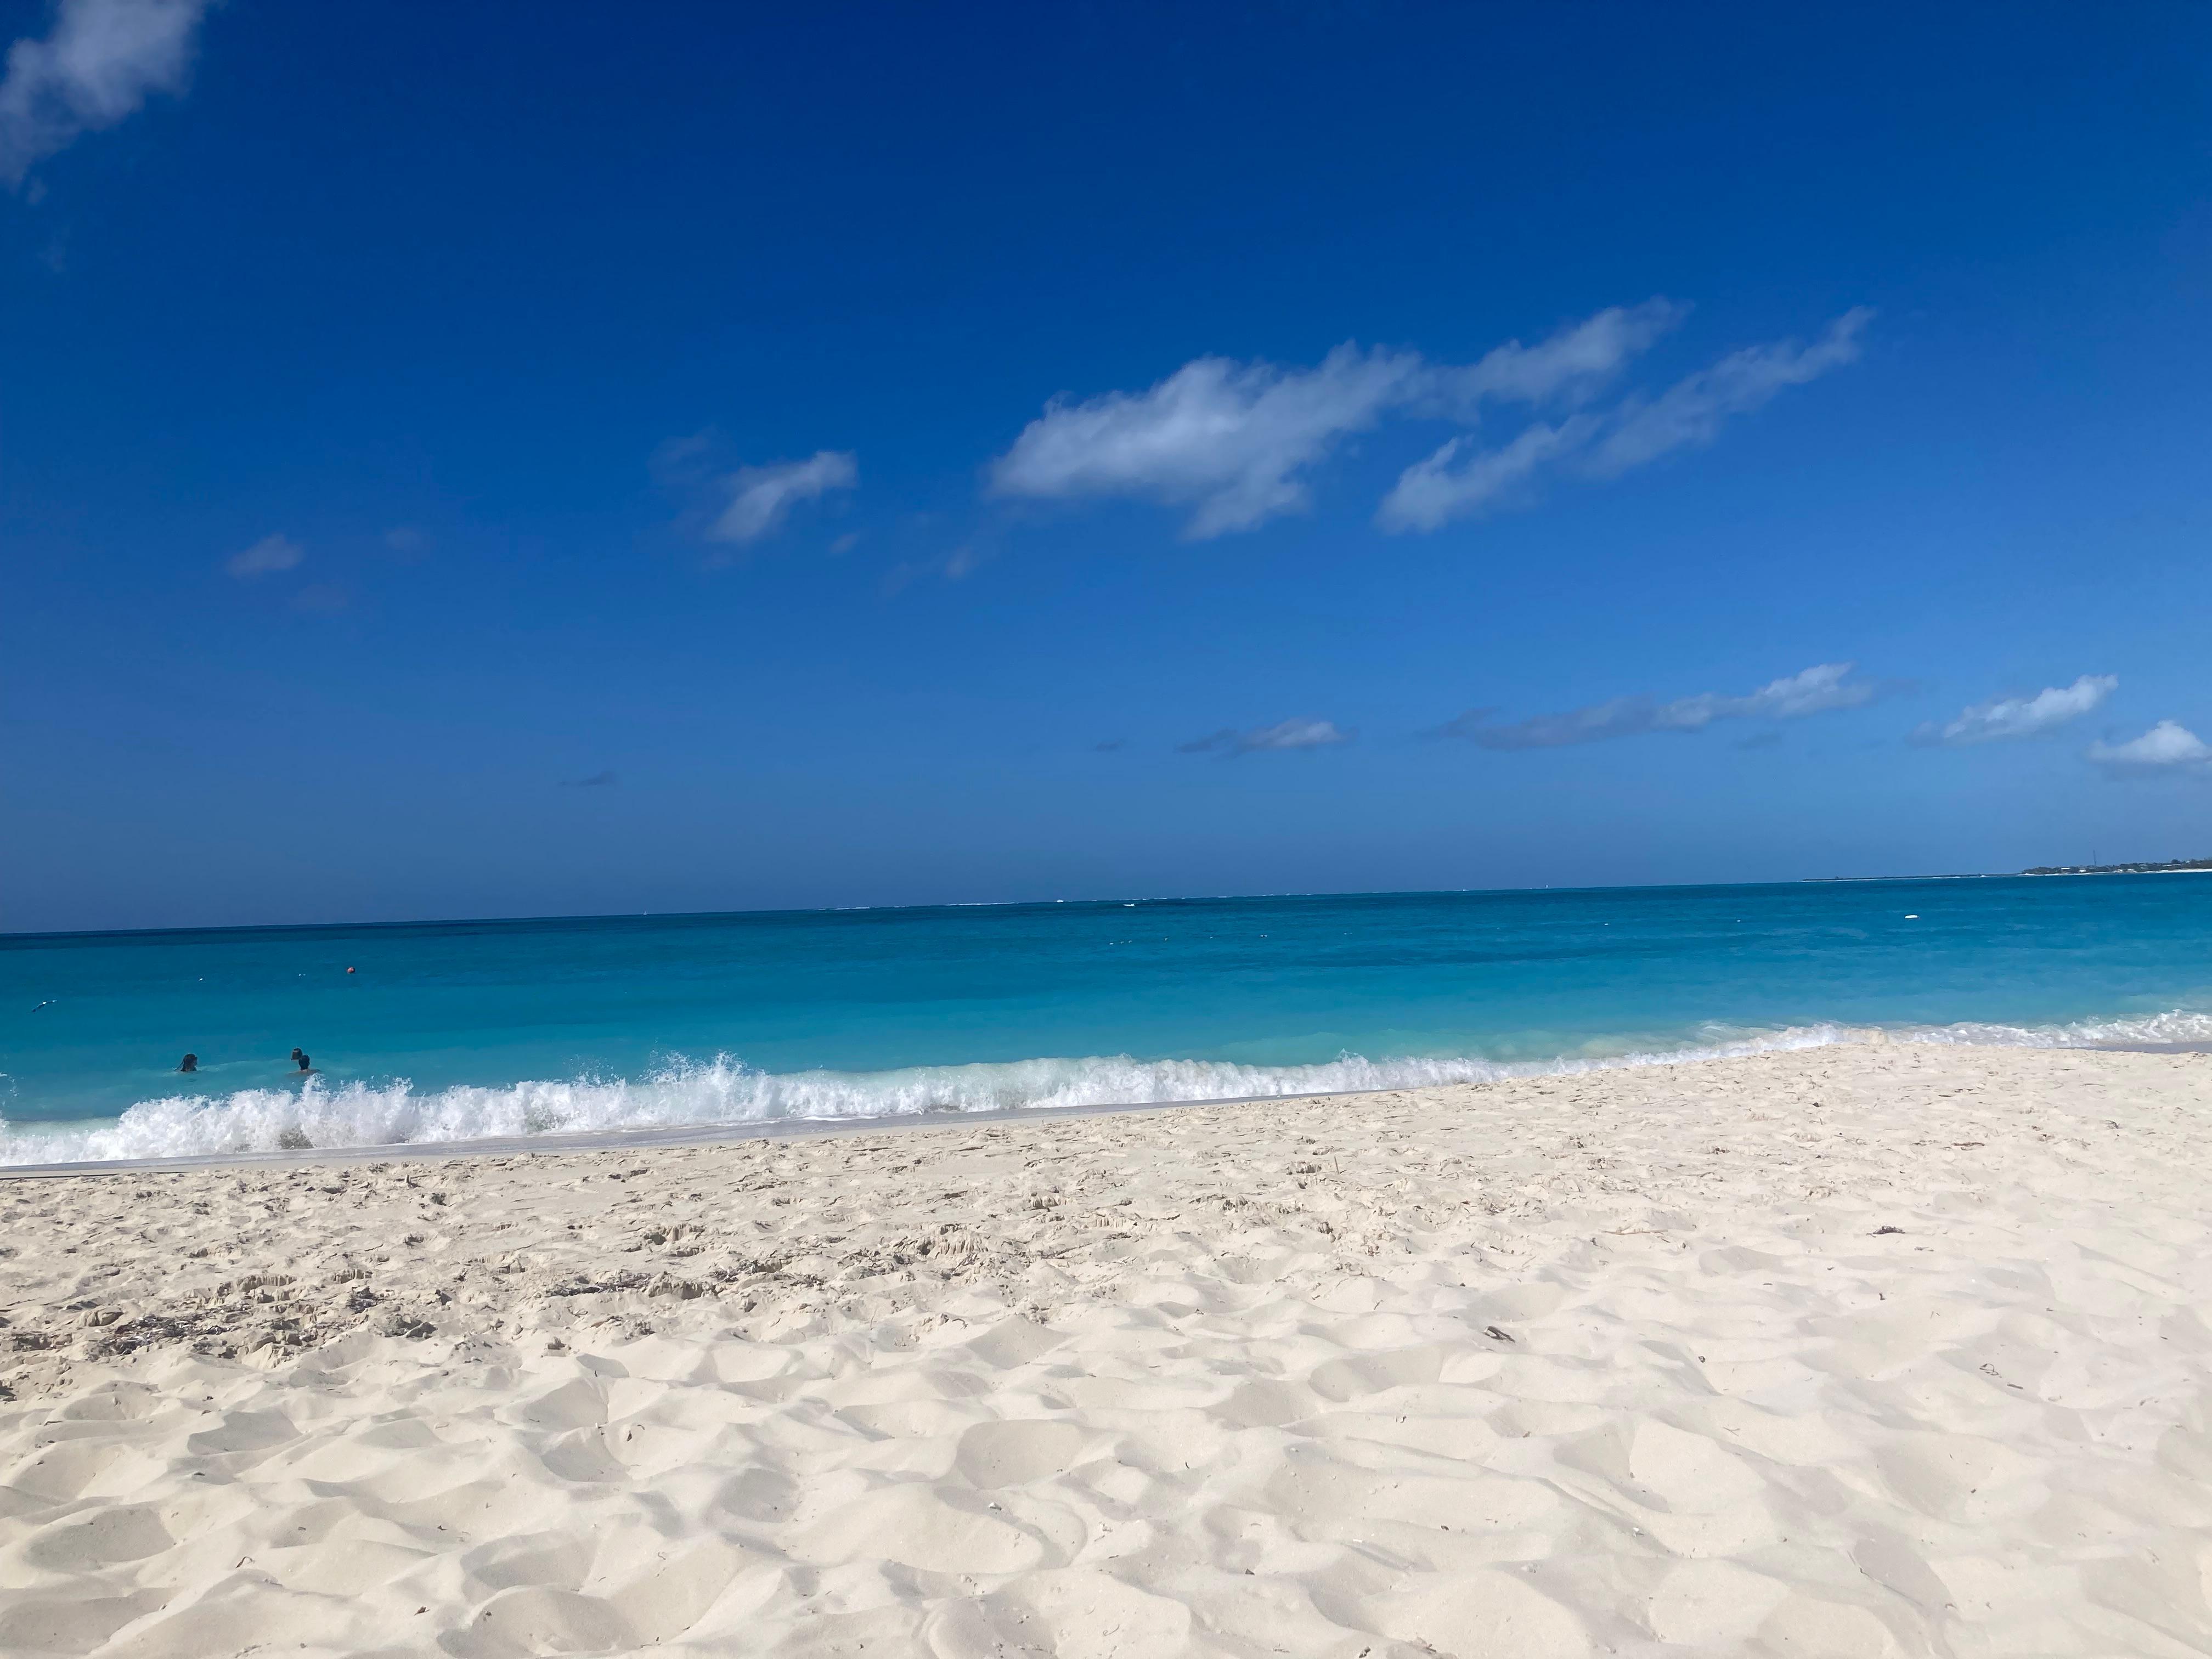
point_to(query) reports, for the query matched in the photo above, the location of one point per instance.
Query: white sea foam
(2176, 1027)
(726, 1092)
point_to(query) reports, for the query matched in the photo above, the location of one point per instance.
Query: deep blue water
(455, 1029)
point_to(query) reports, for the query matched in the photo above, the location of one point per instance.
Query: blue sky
(467, 461)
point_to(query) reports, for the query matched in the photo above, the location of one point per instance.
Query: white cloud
(1430, 494)
(1573, 363)
(2167, 743)
(761, 497)
(95, 68)
(1433, 492)
(1691, 411)
(270, 553)
(1221, 437)
(2022, 717)
(1285, 735)
(1228, 439)
(1232, 441)
(1815, 691)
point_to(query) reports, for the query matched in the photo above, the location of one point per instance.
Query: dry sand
(1861, 1350)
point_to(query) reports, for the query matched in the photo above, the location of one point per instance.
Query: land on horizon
(2171, 866)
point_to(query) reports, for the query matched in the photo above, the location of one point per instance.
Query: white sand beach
(1877, 1348)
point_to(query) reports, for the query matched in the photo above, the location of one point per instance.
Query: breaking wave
(2175, 1028)
(725, 1092)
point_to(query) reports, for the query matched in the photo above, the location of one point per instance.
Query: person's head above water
(300, 1057)
(189, 1063)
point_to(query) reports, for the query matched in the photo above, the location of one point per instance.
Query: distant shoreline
(2177, 867)
(2196, 867)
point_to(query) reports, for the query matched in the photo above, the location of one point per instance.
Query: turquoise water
(453, 1030)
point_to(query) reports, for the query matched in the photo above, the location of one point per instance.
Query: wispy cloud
(1815, 691)
(1285, 735)
(1231, 440)
(269, 554)
(2169, 745)
(1461, 478)
(2004, 718)
(1575, 363)
(1431, 493)
(98, 64)
(1691, 412)
(762, 497)
(1234, 442)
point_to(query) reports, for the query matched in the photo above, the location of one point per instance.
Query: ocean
(440, 1031)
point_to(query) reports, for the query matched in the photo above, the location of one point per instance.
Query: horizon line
(9, 935)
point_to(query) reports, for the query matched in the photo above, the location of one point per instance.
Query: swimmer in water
(300, 1062)
(189, 1063)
